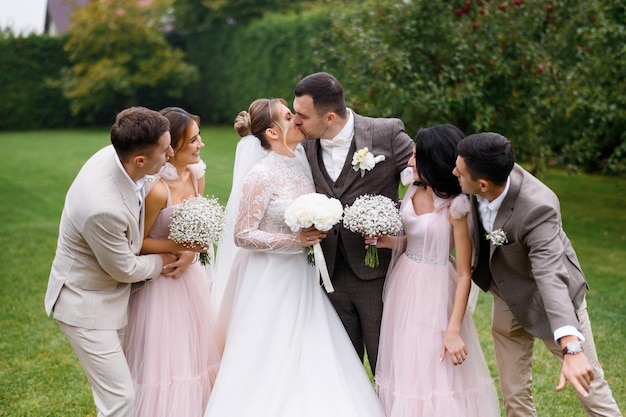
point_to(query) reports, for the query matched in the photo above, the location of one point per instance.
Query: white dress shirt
(335, 150)
(487, 210)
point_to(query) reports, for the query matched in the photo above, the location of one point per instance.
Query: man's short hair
(488, 156)
(137, 130)
(326, 91)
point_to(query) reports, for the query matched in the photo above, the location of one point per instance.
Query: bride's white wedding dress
(287, 353)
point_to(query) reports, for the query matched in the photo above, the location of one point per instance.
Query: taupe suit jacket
(381, 136)
(100, 237)
(537, 272)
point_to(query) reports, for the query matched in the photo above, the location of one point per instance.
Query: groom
(530, 267)
(337, 133)
(97, 256)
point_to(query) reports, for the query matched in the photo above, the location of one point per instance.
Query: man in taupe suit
(337, 133)
(97, 257)
(524, 258)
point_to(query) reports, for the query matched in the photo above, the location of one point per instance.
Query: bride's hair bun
(242, 123)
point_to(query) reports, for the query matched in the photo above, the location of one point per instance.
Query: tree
(120, 57)
(240, 11)
(537, 71)
(190, 16)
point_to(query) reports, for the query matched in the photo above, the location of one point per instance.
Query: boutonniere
(497, 237)
(363, 160)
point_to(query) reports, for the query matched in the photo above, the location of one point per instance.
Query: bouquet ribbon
(321, 268)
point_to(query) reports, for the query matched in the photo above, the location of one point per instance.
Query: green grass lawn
(39, 373)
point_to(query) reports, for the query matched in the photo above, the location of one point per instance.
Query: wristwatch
(572, 348)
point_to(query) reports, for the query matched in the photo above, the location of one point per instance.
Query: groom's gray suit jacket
(382, 136)
(537, 272)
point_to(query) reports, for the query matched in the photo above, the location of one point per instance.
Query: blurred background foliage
(549, 75)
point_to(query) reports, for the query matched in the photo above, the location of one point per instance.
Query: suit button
(335, 232)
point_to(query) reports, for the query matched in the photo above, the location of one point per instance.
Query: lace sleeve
(256, 198)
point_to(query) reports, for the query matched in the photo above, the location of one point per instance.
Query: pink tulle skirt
(411, 380)
(172, 346)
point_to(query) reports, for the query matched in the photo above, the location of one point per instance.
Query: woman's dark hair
(435, 158)
(488, 156)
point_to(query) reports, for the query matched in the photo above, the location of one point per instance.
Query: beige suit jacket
(537, 271)
(100, 236)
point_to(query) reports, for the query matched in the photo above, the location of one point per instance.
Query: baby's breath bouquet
(197, 221)
(317, 210)
(372, 215)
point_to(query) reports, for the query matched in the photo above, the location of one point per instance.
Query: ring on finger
(459, 357)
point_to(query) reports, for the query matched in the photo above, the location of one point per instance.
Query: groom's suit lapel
(362, 138)
(320, 175)
(508, 204)
(348, 175)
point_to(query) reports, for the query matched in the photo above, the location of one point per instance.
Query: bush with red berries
(547, 74)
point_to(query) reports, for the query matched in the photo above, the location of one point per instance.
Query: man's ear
(484, 185)
(139, 160)
(330, 118)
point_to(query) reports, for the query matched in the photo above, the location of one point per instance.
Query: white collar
(137, 185)
(345, 135)
(495, 204)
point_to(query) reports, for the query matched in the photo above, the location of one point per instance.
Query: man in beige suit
(97, 257)
(524, 258)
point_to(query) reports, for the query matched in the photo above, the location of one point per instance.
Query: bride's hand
(310, 236)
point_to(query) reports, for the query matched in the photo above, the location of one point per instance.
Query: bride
(286, 354)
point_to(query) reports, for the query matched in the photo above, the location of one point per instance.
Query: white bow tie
(332, 143)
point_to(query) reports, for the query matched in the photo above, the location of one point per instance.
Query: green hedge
(28, 102)
(552, 86)
(547, 76)
(238, 64)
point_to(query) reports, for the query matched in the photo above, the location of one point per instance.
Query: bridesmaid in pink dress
(430, 362)
(171, 343)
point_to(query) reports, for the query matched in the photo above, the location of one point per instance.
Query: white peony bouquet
(197, 221)
(317, 210)
(372, 215)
